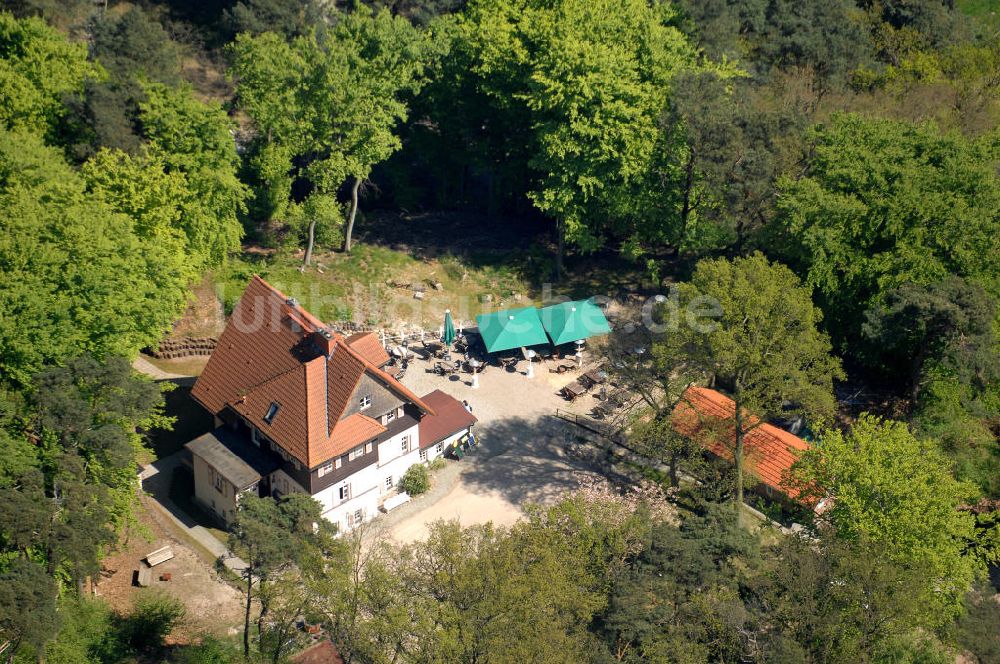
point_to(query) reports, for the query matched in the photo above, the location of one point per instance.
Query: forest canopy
(826, 172)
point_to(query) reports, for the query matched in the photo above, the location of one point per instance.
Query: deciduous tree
(891, 489)
(38, 68)
(884, 203)
(765, 346)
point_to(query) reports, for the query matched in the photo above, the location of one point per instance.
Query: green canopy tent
(572, 321)
(511, 328)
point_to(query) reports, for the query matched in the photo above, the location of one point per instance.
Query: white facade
(393, 461)
(356, 498)
(439, 449)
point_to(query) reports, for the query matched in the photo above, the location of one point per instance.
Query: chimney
(325, 340)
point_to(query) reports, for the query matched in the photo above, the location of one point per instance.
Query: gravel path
(144, 366)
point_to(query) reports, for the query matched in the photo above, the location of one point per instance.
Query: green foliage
(132, 47)
(837, 601)
(958, 418)
(680, 596)
(38, 68)
(67, 484)
(195, 139)
(140, 188)
(27, 605)
(416, 480)
(325, 108)
(764, 342)
(975, 631)
(74, 275)
(326, 216)
(949, 324)
(822, 37)
(895, 490)
(283, 543)
(211, 650)
(86, 634)
(885, 203)
(285, 17)
(588, 80)
(154, 615)
(527, 593)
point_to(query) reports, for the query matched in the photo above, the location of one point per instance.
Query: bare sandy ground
(522, 460)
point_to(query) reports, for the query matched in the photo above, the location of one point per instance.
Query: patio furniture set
(584, 383)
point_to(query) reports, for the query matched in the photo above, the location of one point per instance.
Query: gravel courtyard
(522, 457)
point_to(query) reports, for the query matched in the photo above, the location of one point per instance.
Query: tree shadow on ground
(535, 460)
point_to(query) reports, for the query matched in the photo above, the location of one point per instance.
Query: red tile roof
(769, 452)
(451, 417)
(369, 347)
(268, 355)
(323, 652)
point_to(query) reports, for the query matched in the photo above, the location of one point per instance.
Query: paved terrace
(522, 457)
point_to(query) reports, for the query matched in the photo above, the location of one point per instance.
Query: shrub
(153, 617)
(416, 480)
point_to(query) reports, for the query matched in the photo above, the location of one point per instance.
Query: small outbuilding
(226, 466)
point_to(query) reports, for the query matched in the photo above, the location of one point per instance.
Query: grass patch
(184, 366)
(986, 12)
(371, 284)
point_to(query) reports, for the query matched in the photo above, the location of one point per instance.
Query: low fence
(604, 429)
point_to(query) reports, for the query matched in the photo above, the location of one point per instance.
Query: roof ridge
(297, 309)
(391, 382)
(347, 403)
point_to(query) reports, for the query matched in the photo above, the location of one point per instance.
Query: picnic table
(562, 368)
(161, 555)
(595, 377)
(445, 368)
(573, 391)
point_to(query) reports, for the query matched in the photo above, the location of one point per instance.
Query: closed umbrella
(449, 328)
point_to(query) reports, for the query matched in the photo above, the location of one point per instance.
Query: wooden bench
(161, 555)
(144, 577)
(394, 502)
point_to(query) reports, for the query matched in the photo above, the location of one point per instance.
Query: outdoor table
(596, 377)
(573, 390)
(444, 368)
(506, 362)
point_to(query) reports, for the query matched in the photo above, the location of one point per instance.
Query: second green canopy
(571, 321)
(511, 328)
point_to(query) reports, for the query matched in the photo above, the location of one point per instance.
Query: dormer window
(364, 402)
(390, 416)
(272, 412)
